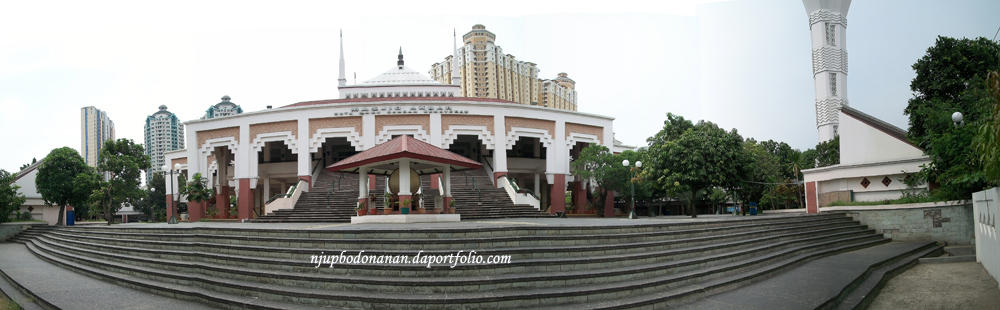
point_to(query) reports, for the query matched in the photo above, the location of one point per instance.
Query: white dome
(401, 76)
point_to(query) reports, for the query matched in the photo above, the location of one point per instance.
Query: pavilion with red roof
(404, 155)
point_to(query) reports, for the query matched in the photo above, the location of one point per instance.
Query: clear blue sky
(741, 64)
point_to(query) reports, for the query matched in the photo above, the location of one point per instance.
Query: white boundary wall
(985, 210)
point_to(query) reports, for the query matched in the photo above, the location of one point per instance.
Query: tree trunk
(62, 213)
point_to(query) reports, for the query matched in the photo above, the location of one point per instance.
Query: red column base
(308, 179)
(448, 208)
(195, 210)
(497, 175)
(557, 197)
(812, 201)
(245, 200)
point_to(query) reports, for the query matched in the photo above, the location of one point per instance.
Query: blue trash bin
(70, 218)
(753, 210)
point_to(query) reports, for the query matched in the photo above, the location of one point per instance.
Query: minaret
(828, 29)
(342, 81)
(399, 62)
(456, 77)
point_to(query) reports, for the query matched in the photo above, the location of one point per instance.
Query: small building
(34, 203)
(875, 158)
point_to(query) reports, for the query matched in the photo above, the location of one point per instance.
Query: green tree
(702, 157)
(828, 152)
(988, 139)
(197, 190)
(10, 199)
(57, 176)
(596, 162)
(763, 171)
(122, 161)
(951, 77)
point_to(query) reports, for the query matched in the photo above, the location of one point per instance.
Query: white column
(244, 168)
(404, 177)
(556, 153)
(267, 189)
(499, 144)
(538, 185)
(609, 136)
(367, 131)
(362, 182)
(446, 182)
(302, 146)
(436, 130)
(194, 160)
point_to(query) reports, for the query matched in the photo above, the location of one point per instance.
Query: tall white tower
(828, 29)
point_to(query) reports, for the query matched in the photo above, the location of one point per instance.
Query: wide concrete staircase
(601, 266)
(477, 198)
(334, 196)
(331, 199)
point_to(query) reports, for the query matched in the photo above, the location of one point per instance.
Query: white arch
(574, 137)
(454, 130)
(341, 132)
(283, 136)
(389, 131)
(210, 145)
(518, 132)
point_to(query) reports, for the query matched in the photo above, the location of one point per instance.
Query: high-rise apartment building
(163, 132)
(95, 129)
(483, 70)
(222, 109)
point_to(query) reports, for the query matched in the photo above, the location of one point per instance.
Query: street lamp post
(631, 174)
(150, 218)
(173, 202)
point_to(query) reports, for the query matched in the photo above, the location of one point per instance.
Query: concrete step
(589, 278)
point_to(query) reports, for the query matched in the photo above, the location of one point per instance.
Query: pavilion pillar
(362, 184)
(245, 199)
(557, 198)
(404, 181)
(446, 182)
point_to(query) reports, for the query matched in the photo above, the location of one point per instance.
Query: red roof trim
(400, 147)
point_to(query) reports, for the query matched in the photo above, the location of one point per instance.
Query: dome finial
(400, 61)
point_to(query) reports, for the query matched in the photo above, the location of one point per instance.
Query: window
(831, 34)
(833, 84)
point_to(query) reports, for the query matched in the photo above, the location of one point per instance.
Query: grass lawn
(7, 304)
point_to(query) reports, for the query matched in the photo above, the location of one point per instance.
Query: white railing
(518, 198)
(985, 210)
(289, 199)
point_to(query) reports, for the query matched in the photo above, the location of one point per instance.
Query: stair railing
(290, 199)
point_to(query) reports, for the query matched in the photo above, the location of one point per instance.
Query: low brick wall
(9, 230)
(950, 221)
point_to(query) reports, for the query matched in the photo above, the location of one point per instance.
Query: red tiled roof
(404, 147)
(359, 100)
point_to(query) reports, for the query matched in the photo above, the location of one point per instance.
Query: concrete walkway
(70, 290)
(940, 286)
(807, 286)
